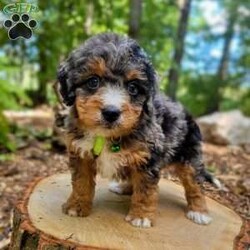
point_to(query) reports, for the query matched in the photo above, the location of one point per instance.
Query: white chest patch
(107, 162)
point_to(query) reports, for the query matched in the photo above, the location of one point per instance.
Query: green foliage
(245, 104)
(4, 130)
(30, 65)
(158, 28)
(6, 157)
(197, 93)
(12, 97)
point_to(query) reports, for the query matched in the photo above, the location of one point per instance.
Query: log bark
(38, 222)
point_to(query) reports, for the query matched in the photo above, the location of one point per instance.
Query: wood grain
(106, 228)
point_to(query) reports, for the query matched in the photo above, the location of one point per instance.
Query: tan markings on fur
(83, 184)
(195, 198)
(130, 118)
(133, 155)
(83, 145)
(107, 162)
(88, 109)
(89, 112)
(110, 164)
(72, 148)
(144, 198)
(134, 74)
(97, 66)
(123, 174)
(89, 115)
(133, 158)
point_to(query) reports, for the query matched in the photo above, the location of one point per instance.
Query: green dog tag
(115, 148)
(98, 145)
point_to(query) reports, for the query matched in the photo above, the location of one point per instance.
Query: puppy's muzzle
(111, 113)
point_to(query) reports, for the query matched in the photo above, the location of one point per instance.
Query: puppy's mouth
(110, 126)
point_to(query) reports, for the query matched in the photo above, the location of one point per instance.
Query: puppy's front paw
(198, 217)
(76, 210)
(139, 222)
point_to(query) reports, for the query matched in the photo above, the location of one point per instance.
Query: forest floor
(35, 158)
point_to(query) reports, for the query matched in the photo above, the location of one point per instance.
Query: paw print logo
(20, 26)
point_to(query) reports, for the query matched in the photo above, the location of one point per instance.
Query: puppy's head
(111, 82)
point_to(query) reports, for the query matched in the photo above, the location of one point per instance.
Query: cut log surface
(40, 224)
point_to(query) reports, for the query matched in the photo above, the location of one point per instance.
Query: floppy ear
(65, 89)
(152, 79)
(139, 53)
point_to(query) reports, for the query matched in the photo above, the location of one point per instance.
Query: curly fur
(162, 133)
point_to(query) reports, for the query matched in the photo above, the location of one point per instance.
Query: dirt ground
(36, 158)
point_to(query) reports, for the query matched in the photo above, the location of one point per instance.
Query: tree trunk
(38, 222)
(222, 71)
(135, 18)
(174, 71)
(89, 18)
(40, 95)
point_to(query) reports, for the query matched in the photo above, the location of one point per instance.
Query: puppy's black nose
(111, 113)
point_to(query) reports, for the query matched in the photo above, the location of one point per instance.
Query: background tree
(174, 71)
(135, 18)
(205, 45)
(222, 71)
(216, 38)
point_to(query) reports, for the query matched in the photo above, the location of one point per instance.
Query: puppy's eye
(132, 88)
(93, 82)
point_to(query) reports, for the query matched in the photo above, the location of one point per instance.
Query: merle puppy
(122, 127)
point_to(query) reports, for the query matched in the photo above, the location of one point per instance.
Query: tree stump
(39, 223)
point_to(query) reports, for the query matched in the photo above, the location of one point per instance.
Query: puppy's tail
(206, 176)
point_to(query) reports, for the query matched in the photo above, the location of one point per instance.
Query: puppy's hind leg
(122, 187)
(197, 208)
(121, 182)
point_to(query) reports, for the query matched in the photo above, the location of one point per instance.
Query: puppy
(122, 127)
